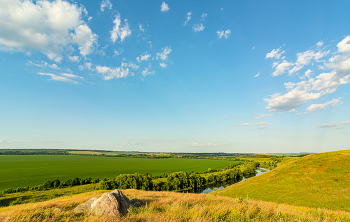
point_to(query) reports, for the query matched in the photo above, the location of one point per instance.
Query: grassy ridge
(317, 180)
(169, 206)
(31, 170)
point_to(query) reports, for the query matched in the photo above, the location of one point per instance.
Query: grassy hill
(171, 206)
(317, 180)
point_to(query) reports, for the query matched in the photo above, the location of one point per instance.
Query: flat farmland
(31, 170)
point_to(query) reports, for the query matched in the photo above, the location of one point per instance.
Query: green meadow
(31, 170)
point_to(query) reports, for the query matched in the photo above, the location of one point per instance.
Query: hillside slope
(317, 180)
(171, 206)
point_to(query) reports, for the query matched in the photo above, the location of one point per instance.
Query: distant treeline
(179, 181)
(32, 152)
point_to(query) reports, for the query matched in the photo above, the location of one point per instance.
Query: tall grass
(169, 206)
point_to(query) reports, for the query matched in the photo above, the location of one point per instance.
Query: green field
(317, 180)
(31, 170)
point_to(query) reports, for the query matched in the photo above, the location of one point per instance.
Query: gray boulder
(114, 203)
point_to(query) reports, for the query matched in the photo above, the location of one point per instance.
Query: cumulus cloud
(147, 71)
(304, 58)
(319, 44)
(198, 27)
(74, 58)
(275, 53)
(118, 52)
(260, 116)
(65, 77)
(105, 4)
(188, 17)
(258, 74)
(120, 31)
(141, 27)
(313, 88)
(315, 107)
(163, 65)
(207, 144)
(143, 57)
(224, 34)
(328, 125)
(49, 27)
(163, 55)
(204, 15)
(109, 73)
(164, 7)
(281, 67)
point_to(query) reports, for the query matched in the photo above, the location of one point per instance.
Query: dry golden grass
(170, 206)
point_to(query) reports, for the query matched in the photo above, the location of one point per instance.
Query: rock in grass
(84, 207)
(114, 203)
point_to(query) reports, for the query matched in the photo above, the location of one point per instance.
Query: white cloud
(88, 65)
(304, 58)
(188, 17)
(143, 57)
(163, 65)
(141, 27)
(315, 107)
(198, 27)
(344, 46)
(225, 34)
(164, 7)
(258, 74)
(109, 73)
(281, 68)
(71, 75)
(313, 88)
(292, 111)
(204, 15)
(260, 116)
(275, 53)
(120, 31)
(245, 124)
(263, 123)
(43, 64)
(147, 71)
(207, 144)
(334, 124)
(62, 78)
(164, 54)
(49, 27)
(74, 58)
(319, 44)
(118, 52)
(130, 65)
(105, 4)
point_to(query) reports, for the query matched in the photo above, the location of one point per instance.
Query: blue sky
(180, 76)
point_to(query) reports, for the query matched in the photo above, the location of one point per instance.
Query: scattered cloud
(204, 15)
(147, 71)
(49, 27)
(63, 77)
(164, 7)
(315, 107)
(292, 111)
(263, 123)
(258, 74)
(329, 125)
(43, 64)
(281, 68)
(207, 144)
(120, 31)
(0, 141)
(319, 44)
(313, 88)
(163, 65)
(163, 55)
(188, 17)
(74, 58)
(105, 4)
(141, 27)
(143, 57)
(304, 58)
(71, 76)
(260, 116)
(198, 27)
(224, 34)
(109, 73)
(245, 124)
(118, 52)
(275, 53)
